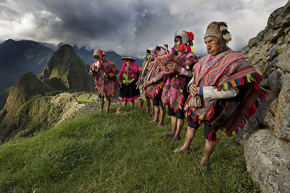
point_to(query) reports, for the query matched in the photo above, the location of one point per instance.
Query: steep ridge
(19, 57)
(22, 98)
(266, 137)
(67, 71)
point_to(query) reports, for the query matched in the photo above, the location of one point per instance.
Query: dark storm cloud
(129, 26)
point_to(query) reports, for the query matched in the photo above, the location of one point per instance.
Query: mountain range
(31, 104)
(20, 57)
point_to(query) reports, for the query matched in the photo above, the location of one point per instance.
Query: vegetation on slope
(119, 153)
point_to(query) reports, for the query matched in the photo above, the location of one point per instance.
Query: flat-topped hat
(128, 58)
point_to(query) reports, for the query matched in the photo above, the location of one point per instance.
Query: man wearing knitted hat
(224, 91)
(176, 71)
(104, 73)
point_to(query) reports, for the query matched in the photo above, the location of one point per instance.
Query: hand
(127, 83)
(147, 83)
(111, 75)
(106, 76)
(194, 90)
(173, 66)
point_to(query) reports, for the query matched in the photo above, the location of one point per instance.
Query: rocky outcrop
(267, 151)
(67, 71)
(268, 159)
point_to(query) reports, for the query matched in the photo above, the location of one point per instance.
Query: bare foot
(154, 121)
(174, 140)
(204, 162)
(179, 150)
(160, 125)
(168, 135)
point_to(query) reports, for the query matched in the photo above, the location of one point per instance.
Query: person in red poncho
(148, 59)
(104, 73)
(154, 91)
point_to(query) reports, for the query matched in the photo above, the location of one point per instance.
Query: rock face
(267, 151)
(270, 165)
(67, 71)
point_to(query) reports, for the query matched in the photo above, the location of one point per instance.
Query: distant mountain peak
(66, 70)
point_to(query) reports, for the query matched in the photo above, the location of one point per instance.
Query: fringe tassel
(250, 112)
(254, 77)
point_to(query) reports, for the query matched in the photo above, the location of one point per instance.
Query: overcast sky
(129, 27)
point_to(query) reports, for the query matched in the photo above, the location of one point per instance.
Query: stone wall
(266, 137)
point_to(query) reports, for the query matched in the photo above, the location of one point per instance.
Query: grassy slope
(118, 153)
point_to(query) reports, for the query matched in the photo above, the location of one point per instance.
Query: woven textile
(105, 87)
(173, 90)
(225, 71)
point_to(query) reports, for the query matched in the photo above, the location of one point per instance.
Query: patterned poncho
(225, 71)
(173, 90)
(105, 86)
(153, 90)
(145, 66)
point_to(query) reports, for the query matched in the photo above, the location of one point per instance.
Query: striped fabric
(225, 71)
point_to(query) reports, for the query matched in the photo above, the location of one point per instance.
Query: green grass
(81, 99)
(119, 153)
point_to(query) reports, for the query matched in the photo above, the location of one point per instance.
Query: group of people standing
(220, 90)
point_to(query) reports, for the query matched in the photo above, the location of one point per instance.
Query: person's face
(177, 43)
(128, 63)
(158, 52)
(97, 57)
(213, 46)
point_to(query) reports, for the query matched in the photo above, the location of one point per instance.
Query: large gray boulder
(268, 160)
(283, 112)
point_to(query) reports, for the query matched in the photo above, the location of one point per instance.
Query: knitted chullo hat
(186, 38)
(219, 30)
(100, 53)
(162, 46)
